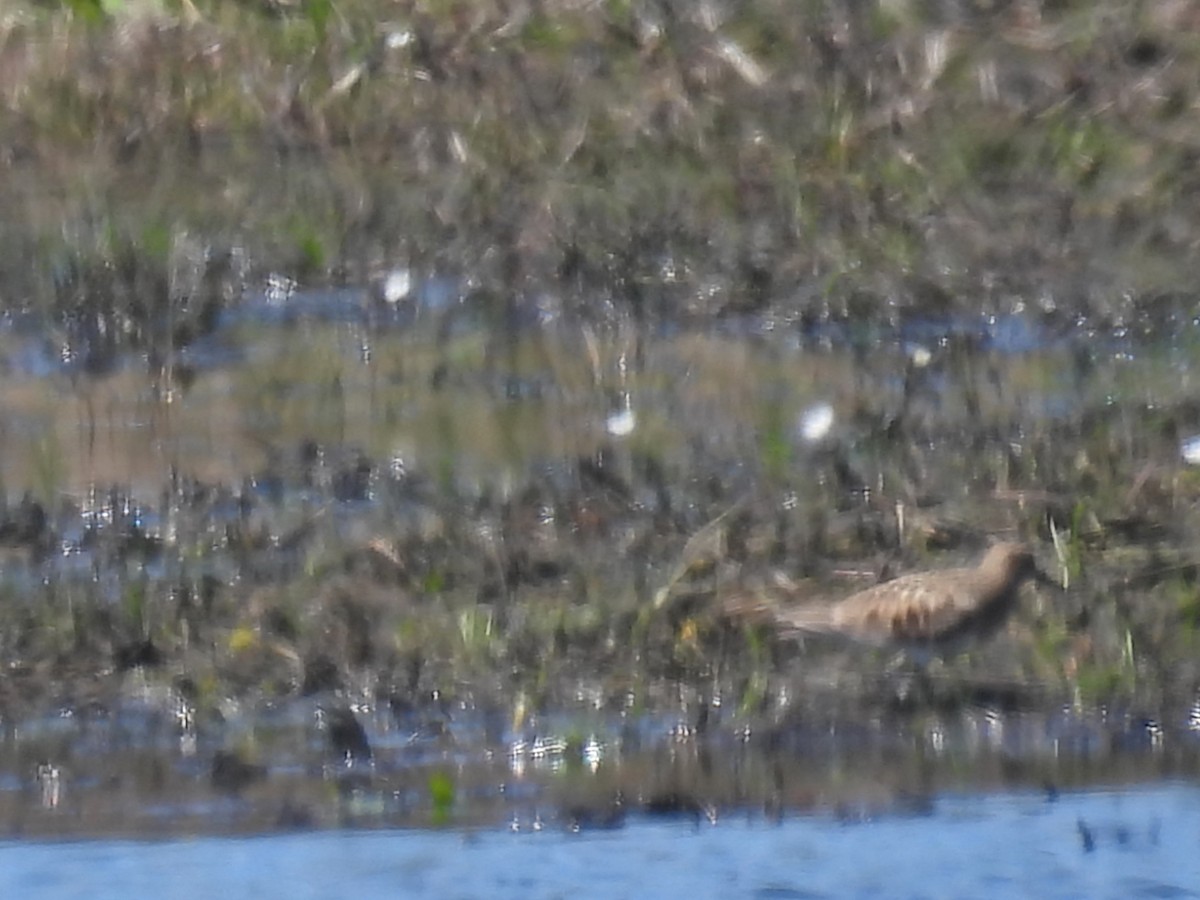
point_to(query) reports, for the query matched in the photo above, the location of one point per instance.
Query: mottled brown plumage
(925, 612)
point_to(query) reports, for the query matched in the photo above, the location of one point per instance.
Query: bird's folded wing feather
(906, 609)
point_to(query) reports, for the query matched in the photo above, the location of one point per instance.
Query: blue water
(1142, 842)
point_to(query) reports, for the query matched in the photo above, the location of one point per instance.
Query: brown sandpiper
(924, 614)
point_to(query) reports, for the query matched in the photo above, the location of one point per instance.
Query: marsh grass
(863, 146)
(865, 166)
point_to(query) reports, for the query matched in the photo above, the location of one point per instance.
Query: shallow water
(438, 383)
(307, 430)
(1128, 843)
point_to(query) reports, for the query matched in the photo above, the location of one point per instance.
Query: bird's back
(922, 608)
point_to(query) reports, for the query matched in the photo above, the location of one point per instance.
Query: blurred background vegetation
(828, 158)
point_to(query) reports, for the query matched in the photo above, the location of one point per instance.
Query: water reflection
(145, 771)
(1104, 844)
(568, 498)
(435, 375)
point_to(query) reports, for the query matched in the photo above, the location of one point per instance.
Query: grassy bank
(832, 159)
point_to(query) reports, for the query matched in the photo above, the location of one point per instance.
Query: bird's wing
(912, 608)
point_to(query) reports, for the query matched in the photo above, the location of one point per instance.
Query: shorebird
(924, 614)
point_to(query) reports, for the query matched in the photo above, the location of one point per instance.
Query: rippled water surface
(1129, 843)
